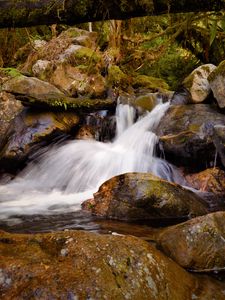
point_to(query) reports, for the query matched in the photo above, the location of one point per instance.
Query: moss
(87, 53)
(146, 102)
(66, 103)
(188, 81)
(152, 83)
(219, 71)
(12, 72)
(116, 77)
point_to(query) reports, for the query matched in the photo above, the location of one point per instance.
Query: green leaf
(213, 31)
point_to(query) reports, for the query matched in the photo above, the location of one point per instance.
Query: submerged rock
(198, 244)
(140, 196)
(197, 83)
(210, 180)
(217, 84)
(186, 134)
(81, 265)
(31, 130)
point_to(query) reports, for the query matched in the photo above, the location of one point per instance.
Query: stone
(186, 135)
(94, 267)
(30, 87)
(217, 83)
(31, 130)
(198, 244)
(210, 180)
(74, 81)
(40, 68)
(141, 196)
(35, 92)
(197, 83)
(9, 108)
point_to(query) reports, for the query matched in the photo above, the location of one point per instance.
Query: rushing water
(65, 176)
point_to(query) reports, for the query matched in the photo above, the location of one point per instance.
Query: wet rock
(29, 131)
(197, 83)
(218, 137)
(95, 267)
(85, 132)
(198, 244)
(210, 180)
(140, 196)
(147, 102)
(217, 84)
(186, 135)
(181, 96)
(9, 108)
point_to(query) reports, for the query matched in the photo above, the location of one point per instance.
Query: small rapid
(67, 175)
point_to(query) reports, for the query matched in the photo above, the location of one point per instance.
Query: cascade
(67, 175)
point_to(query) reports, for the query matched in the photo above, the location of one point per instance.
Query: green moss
(12, 72)
(87, 53)
(219, 71)
(152, 83)
(146, 102)
(116, 77)
(188, 81)
(67, 103)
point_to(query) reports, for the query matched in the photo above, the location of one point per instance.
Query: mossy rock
(151, 83)
(197, 244)
(147, 102)
(84, 265)
(197, 83)
(116, 78)
(140, 196)
(185, 134)
(217, 84)
(9, 72)
(84, 56)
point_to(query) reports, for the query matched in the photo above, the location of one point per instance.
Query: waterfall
(66, 176)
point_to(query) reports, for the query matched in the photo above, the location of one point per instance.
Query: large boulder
(217, 84)
(197, 83)
(31, 87)
(29, 131)
(35, 92)
(81, 265)
(198, 244)
(186, 134)
(142, 196)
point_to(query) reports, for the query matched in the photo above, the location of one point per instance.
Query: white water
(66, 176)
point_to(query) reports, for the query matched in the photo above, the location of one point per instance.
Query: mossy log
(17, 13)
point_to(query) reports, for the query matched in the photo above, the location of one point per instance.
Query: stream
(48, 193)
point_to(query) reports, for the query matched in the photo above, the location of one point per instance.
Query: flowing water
(67, 175)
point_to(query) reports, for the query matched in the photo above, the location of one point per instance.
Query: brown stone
(198, 244)
(141, 196)
(81, 265)
(210, 180)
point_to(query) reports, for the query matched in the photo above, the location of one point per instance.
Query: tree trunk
(16, 13)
